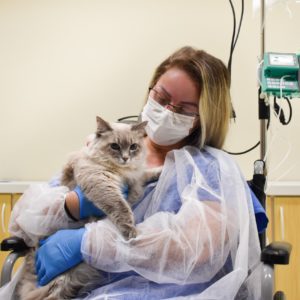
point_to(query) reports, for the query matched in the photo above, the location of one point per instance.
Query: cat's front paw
(128, 231)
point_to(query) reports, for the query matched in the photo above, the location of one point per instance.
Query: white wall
(62, 62)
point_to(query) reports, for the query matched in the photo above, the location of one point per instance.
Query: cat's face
(121, 144)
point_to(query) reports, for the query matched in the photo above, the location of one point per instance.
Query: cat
(115, 157)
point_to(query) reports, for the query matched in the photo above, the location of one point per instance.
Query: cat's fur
(114, 158)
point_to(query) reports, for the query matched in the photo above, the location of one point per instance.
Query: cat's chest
(109, 171)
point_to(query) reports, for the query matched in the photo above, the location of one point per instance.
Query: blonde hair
(212, 80)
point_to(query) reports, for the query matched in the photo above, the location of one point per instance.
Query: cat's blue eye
(115, 146)
(133, 147)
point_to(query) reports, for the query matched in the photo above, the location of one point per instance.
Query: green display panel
(280, 74)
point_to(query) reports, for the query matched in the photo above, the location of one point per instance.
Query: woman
(195, 225)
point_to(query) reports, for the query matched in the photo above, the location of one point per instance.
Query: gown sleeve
(212, 226)
(39, 212)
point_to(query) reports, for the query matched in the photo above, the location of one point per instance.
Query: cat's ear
(102, 126)
(139, 127)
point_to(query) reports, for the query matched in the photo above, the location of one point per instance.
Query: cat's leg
(119, 212)
(104, 191)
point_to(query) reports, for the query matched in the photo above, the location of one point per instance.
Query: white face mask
(164, 126)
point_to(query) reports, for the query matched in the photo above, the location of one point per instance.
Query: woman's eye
(163, 101)
(133, 147)
(114, 146)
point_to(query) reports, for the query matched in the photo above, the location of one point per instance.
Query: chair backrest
(257, 185)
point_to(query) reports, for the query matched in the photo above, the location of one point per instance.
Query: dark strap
(69, 213)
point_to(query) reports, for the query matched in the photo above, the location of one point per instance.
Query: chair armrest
(276, 253)
(13, 244)
(17, 248)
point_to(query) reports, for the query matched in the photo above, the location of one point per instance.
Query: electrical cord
(128, 119)
(281, 117)
(250, 149)
(291, 110)
(234, 40)
(240, 24)
(244, 152)
(279, 111)
(277, 108)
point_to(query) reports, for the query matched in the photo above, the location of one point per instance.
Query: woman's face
(177, 87)
(174, 91)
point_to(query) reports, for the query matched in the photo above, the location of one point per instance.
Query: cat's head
(119, 143)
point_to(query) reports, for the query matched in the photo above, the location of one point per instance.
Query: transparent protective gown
(197, 236)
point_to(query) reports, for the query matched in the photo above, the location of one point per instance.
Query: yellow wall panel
(284, 216)
(5, 210)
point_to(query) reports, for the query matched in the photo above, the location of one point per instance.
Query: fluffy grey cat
(115, 157)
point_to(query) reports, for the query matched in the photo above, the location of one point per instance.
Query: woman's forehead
(177, 84)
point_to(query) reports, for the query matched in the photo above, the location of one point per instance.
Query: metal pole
(263, 139)
(263, 129)
(262, 33)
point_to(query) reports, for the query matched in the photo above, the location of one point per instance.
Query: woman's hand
(81, 207)
(58, 253)
(86, 207)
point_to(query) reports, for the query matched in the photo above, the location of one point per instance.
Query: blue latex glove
(58, 253)
(87, 208)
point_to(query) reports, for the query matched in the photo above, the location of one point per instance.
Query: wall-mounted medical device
(280, 74)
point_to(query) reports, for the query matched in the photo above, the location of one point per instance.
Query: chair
(276, 253)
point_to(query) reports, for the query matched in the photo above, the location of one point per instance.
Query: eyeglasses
(163, 101)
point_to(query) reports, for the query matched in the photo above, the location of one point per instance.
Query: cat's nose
(125, 158)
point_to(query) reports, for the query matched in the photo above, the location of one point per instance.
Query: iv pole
(263, 139)
(260, 173)
(260, 169)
